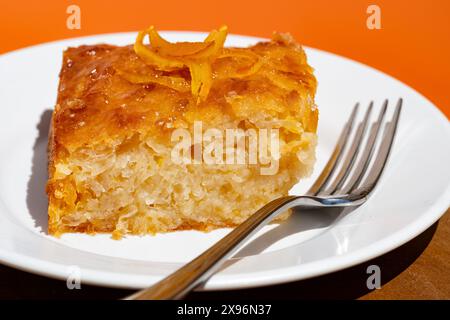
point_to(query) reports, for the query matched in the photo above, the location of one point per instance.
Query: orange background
(413, 44)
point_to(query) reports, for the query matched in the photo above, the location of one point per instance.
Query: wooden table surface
(420, 269)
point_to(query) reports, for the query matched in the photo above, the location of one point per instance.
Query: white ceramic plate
(413, 193)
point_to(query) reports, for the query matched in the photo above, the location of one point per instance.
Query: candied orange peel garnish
(198, 57)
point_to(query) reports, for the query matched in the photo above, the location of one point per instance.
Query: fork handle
(196, 272)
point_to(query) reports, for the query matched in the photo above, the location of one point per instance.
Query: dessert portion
(120, 160)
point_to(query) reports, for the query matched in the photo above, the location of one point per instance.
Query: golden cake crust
(96, 103)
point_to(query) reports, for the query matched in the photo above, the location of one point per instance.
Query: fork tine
(336, 155)
(351, 156)
(364, 161)
(383, 153)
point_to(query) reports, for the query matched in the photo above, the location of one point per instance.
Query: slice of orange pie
(134, 126)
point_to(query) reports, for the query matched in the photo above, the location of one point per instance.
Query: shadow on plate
(36, 197)
(298, 222)
(350, 283)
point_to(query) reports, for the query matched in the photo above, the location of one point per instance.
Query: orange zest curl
(198, 57)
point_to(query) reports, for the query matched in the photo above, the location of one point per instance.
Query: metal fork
(347, 180)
